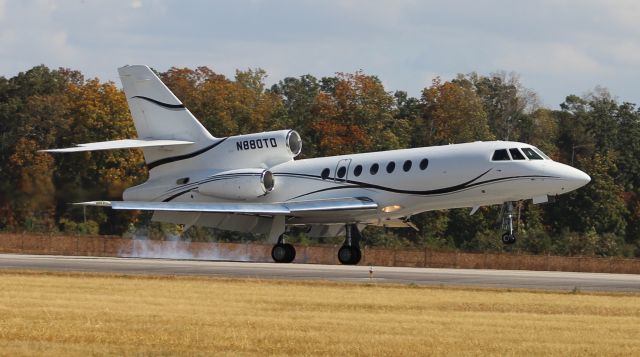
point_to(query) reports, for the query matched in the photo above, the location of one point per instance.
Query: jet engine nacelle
(265, 149)
(241, 184)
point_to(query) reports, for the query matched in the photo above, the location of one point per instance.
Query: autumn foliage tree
(32, 203)
(453, 114)
(30, 118)
(98, 111)
(354, 113)
(225, 107)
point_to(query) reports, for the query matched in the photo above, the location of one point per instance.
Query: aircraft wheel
(291, 252)
(283, 253)
(508, 238)
(357, 256)
(349, 255)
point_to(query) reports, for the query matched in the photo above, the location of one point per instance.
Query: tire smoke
(174, 248)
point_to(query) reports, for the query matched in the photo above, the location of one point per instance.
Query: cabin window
(500, 155)
(342, 171)
(423, 164)
(391, 166)
(531, 154)
(182, 181)
(406, 166)
(358, 170)
(325, 173)
(374, 169)
(516, 154)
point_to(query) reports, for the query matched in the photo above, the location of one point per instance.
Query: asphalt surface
(507, 279)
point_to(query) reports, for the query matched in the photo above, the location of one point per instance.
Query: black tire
(506, 238)
(349, 255)
(512, 239)
(357, 256)
(344, 254)
(291, 252)
(279, 253)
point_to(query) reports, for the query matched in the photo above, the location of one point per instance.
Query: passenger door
(342, 170)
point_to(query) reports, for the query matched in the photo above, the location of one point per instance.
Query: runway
(504, 279)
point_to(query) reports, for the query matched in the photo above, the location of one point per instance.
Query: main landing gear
(509, 237)
(350, 253)
(283, 252)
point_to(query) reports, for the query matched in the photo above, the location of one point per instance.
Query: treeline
(345, 113)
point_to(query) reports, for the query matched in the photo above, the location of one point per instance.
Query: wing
(269, 209)
(120, 144)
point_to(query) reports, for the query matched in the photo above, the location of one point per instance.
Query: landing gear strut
(509, 236)
(350, 253)
(283, 252)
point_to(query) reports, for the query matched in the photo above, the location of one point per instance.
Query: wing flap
(332, 205)
(272, 209)
(120, 144)
(240, 208)
(396, 223)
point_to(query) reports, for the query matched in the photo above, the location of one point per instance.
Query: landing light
(392, 208)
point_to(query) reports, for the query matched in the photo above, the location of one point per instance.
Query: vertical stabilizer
(158, 114)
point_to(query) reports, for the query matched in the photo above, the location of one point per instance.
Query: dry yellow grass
(89, 314)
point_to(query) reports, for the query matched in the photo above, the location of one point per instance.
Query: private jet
(252, 183)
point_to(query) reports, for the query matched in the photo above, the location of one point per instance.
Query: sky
(556, 48)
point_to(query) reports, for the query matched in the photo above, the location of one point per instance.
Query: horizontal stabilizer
(271, 209)
(120, 144)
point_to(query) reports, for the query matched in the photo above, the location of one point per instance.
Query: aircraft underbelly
(231, 222)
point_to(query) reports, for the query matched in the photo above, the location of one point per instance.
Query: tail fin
(159, 115)
(167, 131)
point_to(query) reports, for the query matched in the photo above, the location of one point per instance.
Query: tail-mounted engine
(243, 184)
(261, 149)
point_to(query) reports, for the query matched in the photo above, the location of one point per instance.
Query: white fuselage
(251, 183)
(459, 175)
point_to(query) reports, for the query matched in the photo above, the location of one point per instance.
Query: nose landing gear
(509, 237)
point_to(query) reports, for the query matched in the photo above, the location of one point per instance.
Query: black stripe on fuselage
(168, 199)
(167, 160)
(193, 186)
(353, 184)
(162, 104)
(396, 190)
(357, 184)
(440, 191)
(213, 178)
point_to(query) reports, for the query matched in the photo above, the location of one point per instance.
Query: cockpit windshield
(531, 153)
(541, 153)
(500, 155)
(516, 154)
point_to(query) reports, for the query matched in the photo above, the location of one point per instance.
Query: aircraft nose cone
(579, 178)
(567, 178)
(585, 178)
